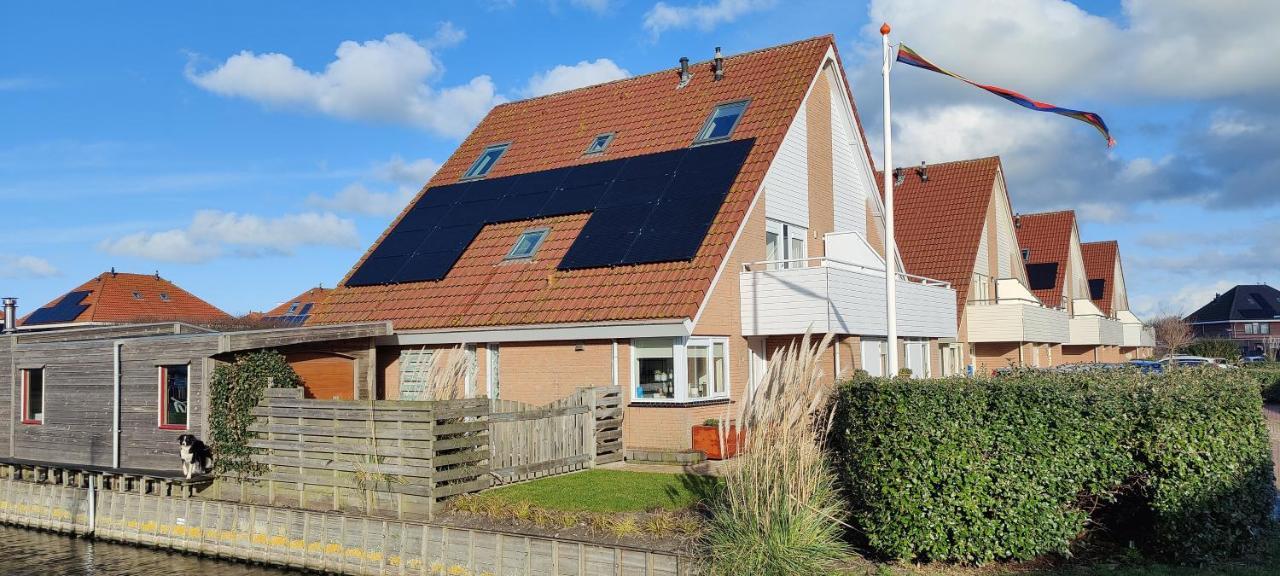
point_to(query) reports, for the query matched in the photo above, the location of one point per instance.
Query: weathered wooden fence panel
(570, 434)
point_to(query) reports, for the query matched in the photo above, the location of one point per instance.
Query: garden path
(1272, 412)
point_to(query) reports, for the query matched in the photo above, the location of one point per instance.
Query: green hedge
(975, 470)
(1215, 348)
(1268, 376)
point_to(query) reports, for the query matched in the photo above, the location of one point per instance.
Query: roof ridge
(949, 162)
(1049, 213)
(829, 37)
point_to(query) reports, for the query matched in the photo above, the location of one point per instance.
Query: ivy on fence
(234, 390)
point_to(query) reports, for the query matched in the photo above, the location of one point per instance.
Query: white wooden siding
(1095, 330)
(851, 183)
(786, 184)
(983, 264)
(840, 300)
(1006, 246)
(1015, 321)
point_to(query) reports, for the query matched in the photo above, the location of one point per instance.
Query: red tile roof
(648, 114)
(313, 296)
(938, 222)
(118, 297)
(1048, 236)
(1100, 263)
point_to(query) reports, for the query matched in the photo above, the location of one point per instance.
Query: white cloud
(213, 233)
(357, 199)
(387, 80)
(13, 266)
(1229, 124)
(447, 35)
(1051, 48)
(597, 6)
(1181, 302)
(663, 16)
(583, 73)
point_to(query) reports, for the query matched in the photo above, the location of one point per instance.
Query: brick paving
(1272, 413)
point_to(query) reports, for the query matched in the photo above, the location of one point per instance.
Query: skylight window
(599, 143)
(1026, 254)
(164, 296)
(137, 295)
(527, 244)
(722, 121)
(485, 162)
(293, 308)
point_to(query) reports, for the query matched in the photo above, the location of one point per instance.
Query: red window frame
(26, 396)
(163, 372)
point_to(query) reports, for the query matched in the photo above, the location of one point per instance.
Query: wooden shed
(119, 396)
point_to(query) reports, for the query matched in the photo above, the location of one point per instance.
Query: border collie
(197, 458)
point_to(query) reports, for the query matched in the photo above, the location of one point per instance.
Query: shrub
(234, 389)
(1268, 377)
(975, 470)
(778, 511)
(1214, 348)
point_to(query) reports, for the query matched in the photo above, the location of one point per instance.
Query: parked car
(1255, 358)
(1147, 366)
(1188, 360)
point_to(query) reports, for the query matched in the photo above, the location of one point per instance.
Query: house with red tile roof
(1105, 273)
(663, 233)
(121, 298)
(296, 310)
(1051, 249)
(954, 222)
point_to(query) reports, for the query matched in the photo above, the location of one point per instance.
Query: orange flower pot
(706, 439)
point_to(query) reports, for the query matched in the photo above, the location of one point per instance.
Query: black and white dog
(197, 458)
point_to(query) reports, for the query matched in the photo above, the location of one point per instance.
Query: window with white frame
(875, 356)
(721, 123)
(785, 242)
(492, 359)
(680, 369)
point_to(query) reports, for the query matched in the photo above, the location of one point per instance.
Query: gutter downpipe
(115, 405)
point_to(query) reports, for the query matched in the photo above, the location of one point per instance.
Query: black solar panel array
(650, 208)
(1043, 276)
(66, 310)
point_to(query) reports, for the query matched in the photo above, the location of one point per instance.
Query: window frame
(472, 172)
(680, 357)
(785, 233)
(542, 231)
(608, 139)
(703, 136)
(162, 374)
(26, 396)
(1026, 255)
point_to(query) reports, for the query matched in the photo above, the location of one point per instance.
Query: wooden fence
(399, 459)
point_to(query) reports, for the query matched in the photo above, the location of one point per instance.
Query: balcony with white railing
(827, 295)
(1090, 327)
(1012, 314)
(1135, 333)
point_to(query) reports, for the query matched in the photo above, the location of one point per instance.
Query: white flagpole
(890, 246)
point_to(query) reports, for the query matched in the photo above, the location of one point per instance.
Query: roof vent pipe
(685, 75)
(1017, 220)
(923, 172)
(10, 315)
(718, 66)
(898, 176)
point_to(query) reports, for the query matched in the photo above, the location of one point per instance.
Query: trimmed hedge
(1268, 377)
(975, 470)
(1215, 348)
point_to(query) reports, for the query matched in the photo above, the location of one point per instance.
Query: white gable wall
(852, 183)
(786, 184)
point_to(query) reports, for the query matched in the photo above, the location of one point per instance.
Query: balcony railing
(827, 295)
(1096, 331)
(1015, 320)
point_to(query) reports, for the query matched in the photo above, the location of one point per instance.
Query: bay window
(680, 369)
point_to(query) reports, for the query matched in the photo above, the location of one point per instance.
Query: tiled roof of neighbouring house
(938, 222)
(1100, 269)
(647, 115)
(296, 310)
(1047, 237)
(1243, 302)
(118, 297)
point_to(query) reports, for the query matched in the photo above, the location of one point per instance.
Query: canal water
(31, 552)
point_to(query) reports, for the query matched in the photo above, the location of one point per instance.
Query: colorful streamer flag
(911, 58)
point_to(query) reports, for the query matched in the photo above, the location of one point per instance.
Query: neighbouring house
(121, 298)
(118, 397)
(1247, 313)
(954, 222)
(1050, 244)
(1108, 292)
(664, 233)
(296, 310)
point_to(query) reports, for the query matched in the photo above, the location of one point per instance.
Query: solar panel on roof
(66, 310)
(685, 187)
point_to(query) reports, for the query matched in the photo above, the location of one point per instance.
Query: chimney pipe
(10, 315)
(685, 75)
(718, 66)
(1017, 220)
(923, 172)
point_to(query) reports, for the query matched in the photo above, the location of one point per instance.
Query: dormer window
(527, 244)
(721, 123)
(485, 162)
(599, 143)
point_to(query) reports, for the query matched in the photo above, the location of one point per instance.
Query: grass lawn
(608, 491)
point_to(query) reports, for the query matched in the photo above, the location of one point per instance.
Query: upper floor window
(33, 396)
(722, 121)
(785, 244)
(599, 143)
(527, 244)
(173, 397)
(485, 162)
(1026, 254)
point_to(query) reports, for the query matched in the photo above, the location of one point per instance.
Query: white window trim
(680, 357)
(501, 147)
(786, 233)
(492, 370)
(703, 133)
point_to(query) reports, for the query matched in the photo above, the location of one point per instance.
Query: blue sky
(248, 151)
